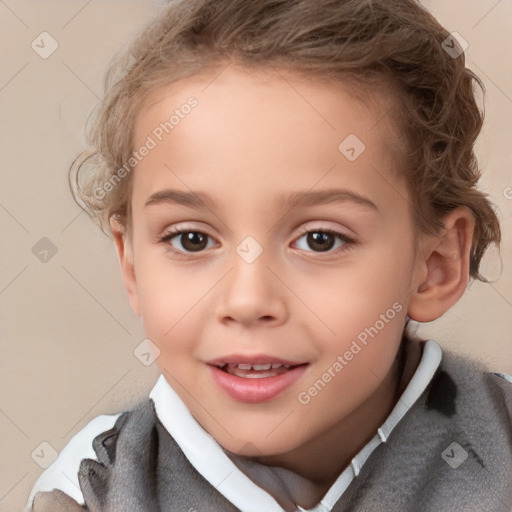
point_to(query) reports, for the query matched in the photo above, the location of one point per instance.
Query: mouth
(255, 379)
(256, 371)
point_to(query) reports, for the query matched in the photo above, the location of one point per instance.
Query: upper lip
(251, 359)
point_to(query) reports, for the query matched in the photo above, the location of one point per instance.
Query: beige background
(67, 332)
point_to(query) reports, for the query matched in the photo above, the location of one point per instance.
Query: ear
(442, 271)
(125, 254)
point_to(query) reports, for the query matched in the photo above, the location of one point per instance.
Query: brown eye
(322, 240)
(193, 241)
(186, 241)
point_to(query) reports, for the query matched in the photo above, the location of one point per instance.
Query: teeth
(255, 371)
(261, 367)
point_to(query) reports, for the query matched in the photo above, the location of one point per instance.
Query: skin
(252, 138)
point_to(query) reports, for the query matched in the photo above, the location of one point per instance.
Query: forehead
(260, 131)
(233, 89)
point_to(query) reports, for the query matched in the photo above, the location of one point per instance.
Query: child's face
(335, 306)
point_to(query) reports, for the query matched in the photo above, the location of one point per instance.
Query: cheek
(174, 305)
(163, 297)
(350, 298)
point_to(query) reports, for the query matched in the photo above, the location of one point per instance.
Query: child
(288, 184)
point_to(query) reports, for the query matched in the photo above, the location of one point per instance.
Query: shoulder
(468, 393)
(474, 375)
(504, 376)
(451, 450)
(62, 475)
(502, 386)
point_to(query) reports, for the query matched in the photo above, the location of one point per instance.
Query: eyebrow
(291, 200)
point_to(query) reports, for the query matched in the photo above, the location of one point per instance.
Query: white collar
(208, 458)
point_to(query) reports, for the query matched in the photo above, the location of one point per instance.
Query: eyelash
(348, 242)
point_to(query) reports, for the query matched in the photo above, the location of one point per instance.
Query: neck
(322, 459)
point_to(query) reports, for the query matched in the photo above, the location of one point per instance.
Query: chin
(257, 445)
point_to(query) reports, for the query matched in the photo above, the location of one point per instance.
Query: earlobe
(443, 267)
(126, 261)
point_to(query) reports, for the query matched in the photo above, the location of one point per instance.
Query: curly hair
(396, 45)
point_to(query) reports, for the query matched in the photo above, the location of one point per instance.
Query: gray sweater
(452, 451)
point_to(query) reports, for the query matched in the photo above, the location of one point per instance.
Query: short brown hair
(369, 42)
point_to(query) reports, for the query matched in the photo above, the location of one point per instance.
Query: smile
(255, 382)
(255, 371)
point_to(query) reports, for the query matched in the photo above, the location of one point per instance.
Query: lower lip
(257, 389)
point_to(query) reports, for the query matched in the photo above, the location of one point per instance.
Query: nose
(252, 294)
